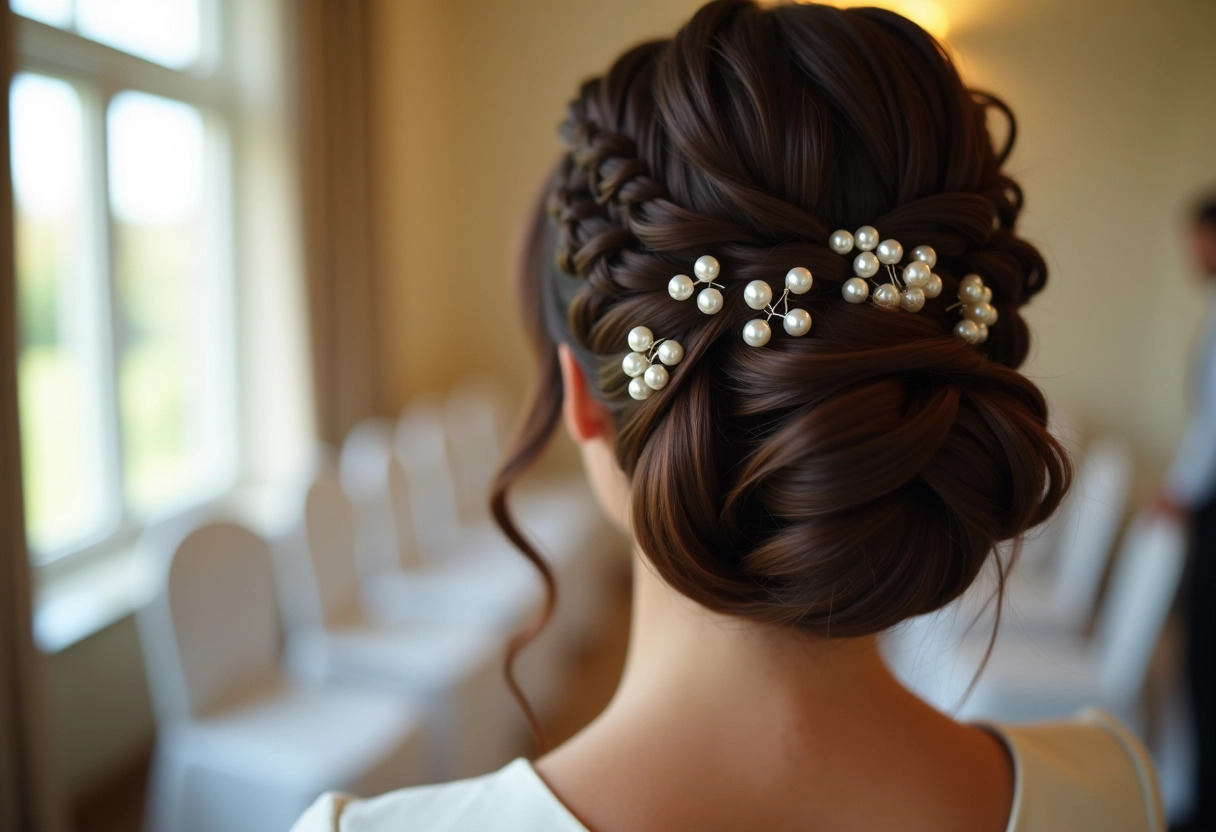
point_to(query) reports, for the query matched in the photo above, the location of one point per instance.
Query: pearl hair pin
(906, 290)
(647, 376)
(759, 295)
(975, 305)
(709, 300)
(916, 283)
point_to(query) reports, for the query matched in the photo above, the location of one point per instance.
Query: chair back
(1142, 589)
(1089, 527)
(211, 630)
(330, 535)
(1040, 544)
(373, 481)
(421, 445)
(474, 417)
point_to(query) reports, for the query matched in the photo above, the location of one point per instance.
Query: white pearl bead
(756, 333)
(757, 294)
(981, 313)
(797, 322)
(971, 292)
(865, 264)
(855, 290)
(841, 241)
(934, 287)
(887, 296)
(634, 364)
(710, 301)
(680, 287)
(641, 339)
(671, 352)
(866, 237)
(969, 331)
(969, 279)
(706, 268)
(912, 300)
(926, 255)
(916, 274)
(889, 252)
(798, 280)
(983, 336)
(655, 377)
(987, 294)
(638, 390)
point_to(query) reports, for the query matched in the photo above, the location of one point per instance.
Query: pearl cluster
(759, 295)
(907, 290)
(640, 366)
(706, 269)
(975, 303)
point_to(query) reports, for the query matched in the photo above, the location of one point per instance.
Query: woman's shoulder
(1089, 772)
(514, 797)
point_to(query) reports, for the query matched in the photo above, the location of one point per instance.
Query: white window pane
(54, 12)
(165, 31)
(60, 310)
(174, 378)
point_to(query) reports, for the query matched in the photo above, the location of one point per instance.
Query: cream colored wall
(1117, 134)
(470, 93)
(1116, 117)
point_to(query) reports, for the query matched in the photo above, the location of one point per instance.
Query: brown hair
(845, 481)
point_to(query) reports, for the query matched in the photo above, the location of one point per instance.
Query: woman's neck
(676, 645)
(719, 723)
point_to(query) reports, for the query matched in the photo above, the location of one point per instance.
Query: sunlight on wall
(928, 15)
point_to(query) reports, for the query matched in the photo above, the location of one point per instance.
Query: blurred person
(1189, 491)
(807, 443)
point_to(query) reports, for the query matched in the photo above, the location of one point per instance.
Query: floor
(597, 668)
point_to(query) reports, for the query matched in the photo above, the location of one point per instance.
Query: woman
(808, 437)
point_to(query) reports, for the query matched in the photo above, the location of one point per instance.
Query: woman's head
(839, 482)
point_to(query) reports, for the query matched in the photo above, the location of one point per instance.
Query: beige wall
(1117, 128)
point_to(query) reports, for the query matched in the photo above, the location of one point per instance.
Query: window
(122, 141)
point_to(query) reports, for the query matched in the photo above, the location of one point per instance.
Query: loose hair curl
(838, 483)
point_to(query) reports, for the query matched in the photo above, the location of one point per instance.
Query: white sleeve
(1191, 480)
(323, 815)
(1191, 477)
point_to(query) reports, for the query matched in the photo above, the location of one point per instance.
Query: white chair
(399, 583)
(1036, 676)
(502, 592)
(451, 666)
(1057, 599)
(1040, 545)
(558, 512)
(241, 746)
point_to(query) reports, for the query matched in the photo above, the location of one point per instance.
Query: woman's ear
(585, 417)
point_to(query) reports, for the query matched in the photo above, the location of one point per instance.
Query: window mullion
(105, 253)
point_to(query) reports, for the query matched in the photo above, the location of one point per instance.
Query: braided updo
(845, 481)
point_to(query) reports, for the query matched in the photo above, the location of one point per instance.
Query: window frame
(100, 72)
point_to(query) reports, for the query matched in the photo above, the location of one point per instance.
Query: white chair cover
(1033, 676)
(240, 746)
(450, 666)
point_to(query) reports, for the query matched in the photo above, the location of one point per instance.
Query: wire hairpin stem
(975, 305)
(645, 374)
(905, 289)
(759, 296)
(706, 269)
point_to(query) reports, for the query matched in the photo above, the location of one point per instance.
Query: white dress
(1085, 775)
